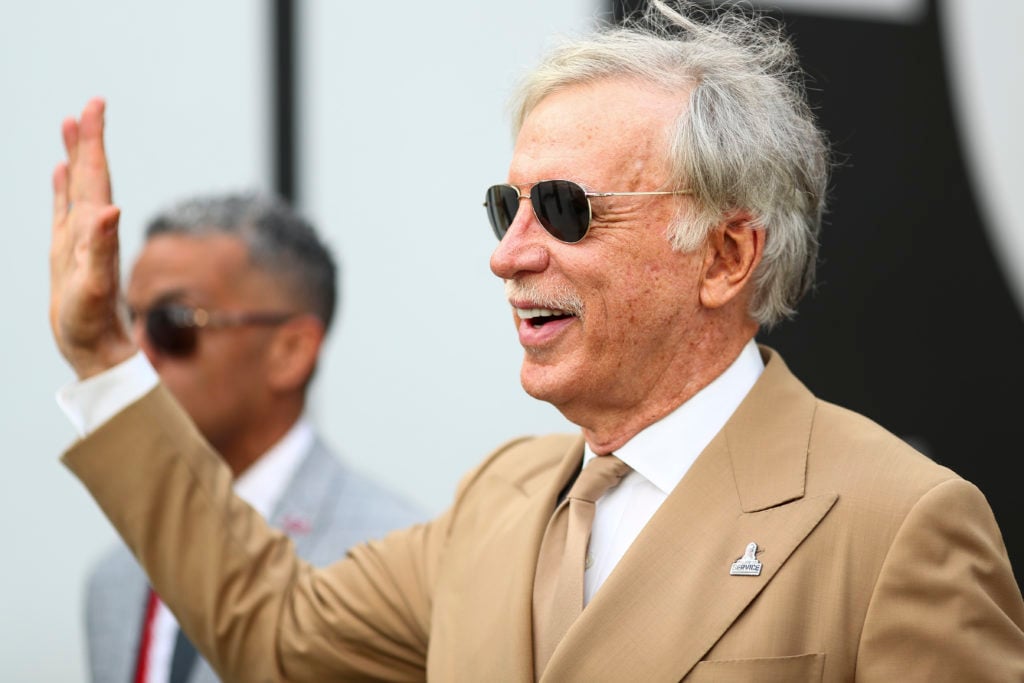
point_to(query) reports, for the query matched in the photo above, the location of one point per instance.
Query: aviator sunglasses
(561, 206)
(173, 329)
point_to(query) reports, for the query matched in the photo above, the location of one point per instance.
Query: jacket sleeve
(252, 607)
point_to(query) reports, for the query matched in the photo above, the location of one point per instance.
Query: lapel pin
(295, 525)
(748, 565)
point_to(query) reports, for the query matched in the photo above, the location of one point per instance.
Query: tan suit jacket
(877, 563)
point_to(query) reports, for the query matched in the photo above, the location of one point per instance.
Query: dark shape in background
(283, 26)
(912, 322)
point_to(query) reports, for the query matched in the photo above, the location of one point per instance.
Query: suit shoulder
(112, 565)
(523, 461)
(378, 498)
(112, 582)
(868, 451)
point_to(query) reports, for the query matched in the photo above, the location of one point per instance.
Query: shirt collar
(663, 452)
(262, 484)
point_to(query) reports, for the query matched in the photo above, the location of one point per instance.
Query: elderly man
(230, 299)
(712, 521)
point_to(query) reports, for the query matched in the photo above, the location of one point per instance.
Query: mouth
(539, 317)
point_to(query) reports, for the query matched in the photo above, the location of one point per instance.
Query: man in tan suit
(662, 205)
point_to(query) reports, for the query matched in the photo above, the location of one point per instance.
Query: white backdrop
(185, 115)
(405, 127)
(402, 127)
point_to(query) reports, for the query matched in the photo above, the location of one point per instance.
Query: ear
(732, 252)
(294, 352)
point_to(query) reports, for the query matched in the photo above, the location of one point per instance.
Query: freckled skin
(224, 385)
(647, 340)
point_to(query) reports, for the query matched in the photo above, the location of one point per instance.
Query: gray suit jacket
(326, 508)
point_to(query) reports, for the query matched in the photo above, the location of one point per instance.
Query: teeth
(529, 313)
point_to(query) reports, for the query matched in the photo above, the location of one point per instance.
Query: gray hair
(747, 141)
(280, 242)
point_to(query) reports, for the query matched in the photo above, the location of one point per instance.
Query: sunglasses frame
(499, 233)
(186, 321)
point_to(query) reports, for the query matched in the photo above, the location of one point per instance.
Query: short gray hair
(280, 242)
(748, 139)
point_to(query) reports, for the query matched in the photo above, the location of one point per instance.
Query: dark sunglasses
(561, 206)
(173, 329)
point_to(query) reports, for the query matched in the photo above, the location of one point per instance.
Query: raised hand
(85, 308)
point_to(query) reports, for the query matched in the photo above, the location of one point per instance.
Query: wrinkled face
(604, 320)
(222, 384)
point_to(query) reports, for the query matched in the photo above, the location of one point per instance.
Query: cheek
(184, 382)
(203, 376)
(613, 293)
(640, 285)
(234, 367)
(649, 297)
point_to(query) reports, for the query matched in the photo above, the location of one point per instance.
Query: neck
(609, 425)
(240, 451)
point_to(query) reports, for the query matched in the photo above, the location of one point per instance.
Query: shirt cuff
(91, 402)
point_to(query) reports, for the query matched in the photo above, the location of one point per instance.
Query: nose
(524, 248)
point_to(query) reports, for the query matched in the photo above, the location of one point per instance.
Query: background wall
(402, 132)
(185, 114)
(401, 127)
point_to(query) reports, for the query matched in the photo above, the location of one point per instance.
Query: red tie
(152, 602)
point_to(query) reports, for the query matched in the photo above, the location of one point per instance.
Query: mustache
(560, 297)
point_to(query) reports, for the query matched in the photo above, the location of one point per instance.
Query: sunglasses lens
(562, 208)
(502, 202)
(167, 334)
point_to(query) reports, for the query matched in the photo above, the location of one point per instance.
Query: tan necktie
(558, 584)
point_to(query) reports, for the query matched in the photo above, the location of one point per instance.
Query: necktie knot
(601, 474)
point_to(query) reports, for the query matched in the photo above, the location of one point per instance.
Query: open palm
(85, 310)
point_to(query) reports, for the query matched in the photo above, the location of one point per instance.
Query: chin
(544, 382)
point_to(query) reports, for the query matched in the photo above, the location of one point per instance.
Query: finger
(60, 193)
(90, 178)
(69, 133)
(103, 267)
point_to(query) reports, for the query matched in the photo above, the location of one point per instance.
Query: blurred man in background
(230, 299)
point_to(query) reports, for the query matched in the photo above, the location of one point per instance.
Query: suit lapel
(121, 611)
(304, 498)
(491, 620)
(672, 596)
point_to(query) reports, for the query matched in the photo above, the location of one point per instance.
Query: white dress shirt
(660, 456)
